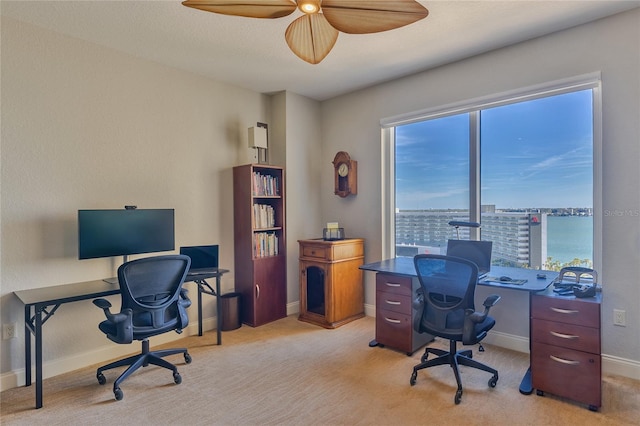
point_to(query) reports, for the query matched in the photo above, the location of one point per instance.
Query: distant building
(519, 238)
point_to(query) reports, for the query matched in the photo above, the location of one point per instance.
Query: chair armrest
(471, 318)
(183, 303)
(105, 305)
(418, 300)
(477, 317)
(122, 322)
(184, 300)
(418, 305)
(490, 301)
(102, 303)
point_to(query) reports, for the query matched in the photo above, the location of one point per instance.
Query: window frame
(590, 81)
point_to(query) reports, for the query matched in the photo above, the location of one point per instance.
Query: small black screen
(106, 233)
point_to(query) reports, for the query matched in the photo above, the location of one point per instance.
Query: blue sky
(534, 154)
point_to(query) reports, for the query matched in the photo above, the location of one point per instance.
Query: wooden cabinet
(260, 242)
(565, 347)
(331, 286)
(395, 314)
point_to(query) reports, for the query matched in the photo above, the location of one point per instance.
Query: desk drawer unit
(394, 314)
(565, 347)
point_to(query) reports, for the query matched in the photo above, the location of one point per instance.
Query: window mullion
(474, 173)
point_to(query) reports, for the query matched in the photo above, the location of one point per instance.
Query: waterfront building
(519, 238)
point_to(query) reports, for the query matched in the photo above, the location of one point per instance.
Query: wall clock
(345, 172)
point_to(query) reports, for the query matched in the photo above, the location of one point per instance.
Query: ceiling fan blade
(247, 8)
(372, 16)
(311, 37)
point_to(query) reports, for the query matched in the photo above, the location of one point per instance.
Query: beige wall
(87, 127)
(612, 46)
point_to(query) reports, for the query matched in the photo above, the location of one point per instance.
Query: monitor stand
(114, 280)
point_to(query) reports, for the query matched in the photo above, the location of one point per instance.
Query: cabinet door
(270, 290)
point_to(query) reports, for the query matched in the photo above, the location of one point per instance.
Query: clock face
(343, 170)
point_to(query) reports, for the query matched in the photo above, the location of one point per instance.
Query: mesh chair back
(448, 286)
(150, 287)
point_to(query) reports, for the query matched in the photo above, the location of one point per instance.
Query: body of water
(570, 237)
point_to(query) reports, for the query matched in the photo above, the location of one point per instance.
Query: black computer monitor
(202, 257)
(107, 233)
(479, 252)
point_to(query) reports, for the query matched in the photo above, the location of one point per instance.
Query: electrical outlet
(9, 331)
(619, 317)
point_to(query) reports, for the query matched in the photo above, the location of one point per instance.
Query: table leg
(526, 387)
(27, 345)
(208, 290)
(218, 311)
(38, 336)
(199, 308)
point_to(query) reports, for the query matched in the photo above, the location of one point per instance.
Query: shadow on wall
(59, 238)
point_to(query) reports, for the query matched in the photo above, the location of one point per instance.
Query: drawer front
(393, 284)
(394, 330)
(564, 372)
(315, 252)
(570, 311)
(347, 251)
(586, 339)
(387, 301)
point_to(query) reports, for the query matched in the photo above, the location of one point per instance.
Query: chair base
(454, 358)
(143, 359)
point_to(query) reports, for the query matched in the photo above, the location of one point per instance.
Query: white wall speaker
(258, 137)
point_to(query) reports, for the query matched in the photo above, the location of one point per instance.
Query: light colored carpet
(291, 373)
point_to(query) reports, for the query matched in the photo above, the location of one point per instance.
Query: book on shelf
(265, 185)
(265, 244)
(263, 216)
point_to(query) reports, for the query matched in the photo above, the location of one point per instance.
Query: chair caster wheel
(593, 408)
(187, 358)
(539, 392)
(117, 392)
(177, 378)
(493, 381)
(101, 379)
(412, 380)
(424, 358)
(458, 397)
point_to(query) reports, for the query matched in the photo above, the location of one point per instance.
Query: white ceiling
(252, 53)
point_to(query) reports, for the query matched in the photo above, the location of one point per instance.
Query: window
(520, 164)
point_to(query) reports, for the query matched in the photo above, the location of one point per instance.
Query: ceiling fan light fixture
(312, 35)
(309, 6)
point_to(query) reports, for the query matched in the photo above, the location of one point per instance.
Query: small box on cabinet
(333, 234)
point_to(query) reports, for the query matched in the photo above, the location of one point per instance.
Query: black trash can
(230, 318)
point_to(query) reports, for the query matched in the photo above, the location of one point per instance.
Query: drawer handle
(393, 321)
(564, 336)
(564, 361)
(392, 284)
(564, 311)
(392, 302)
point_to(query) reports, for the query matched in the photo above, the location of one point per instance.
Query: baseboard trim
(610, 364)
(96, 357)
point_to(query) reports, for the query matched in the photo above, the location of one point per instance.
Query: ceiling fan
(313, 35)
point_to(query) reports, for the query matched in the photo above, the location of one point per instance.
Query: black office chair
(153, 302)
(446, 300)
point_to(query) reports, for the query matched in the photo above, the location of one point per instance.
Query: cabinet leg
(526, 387)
